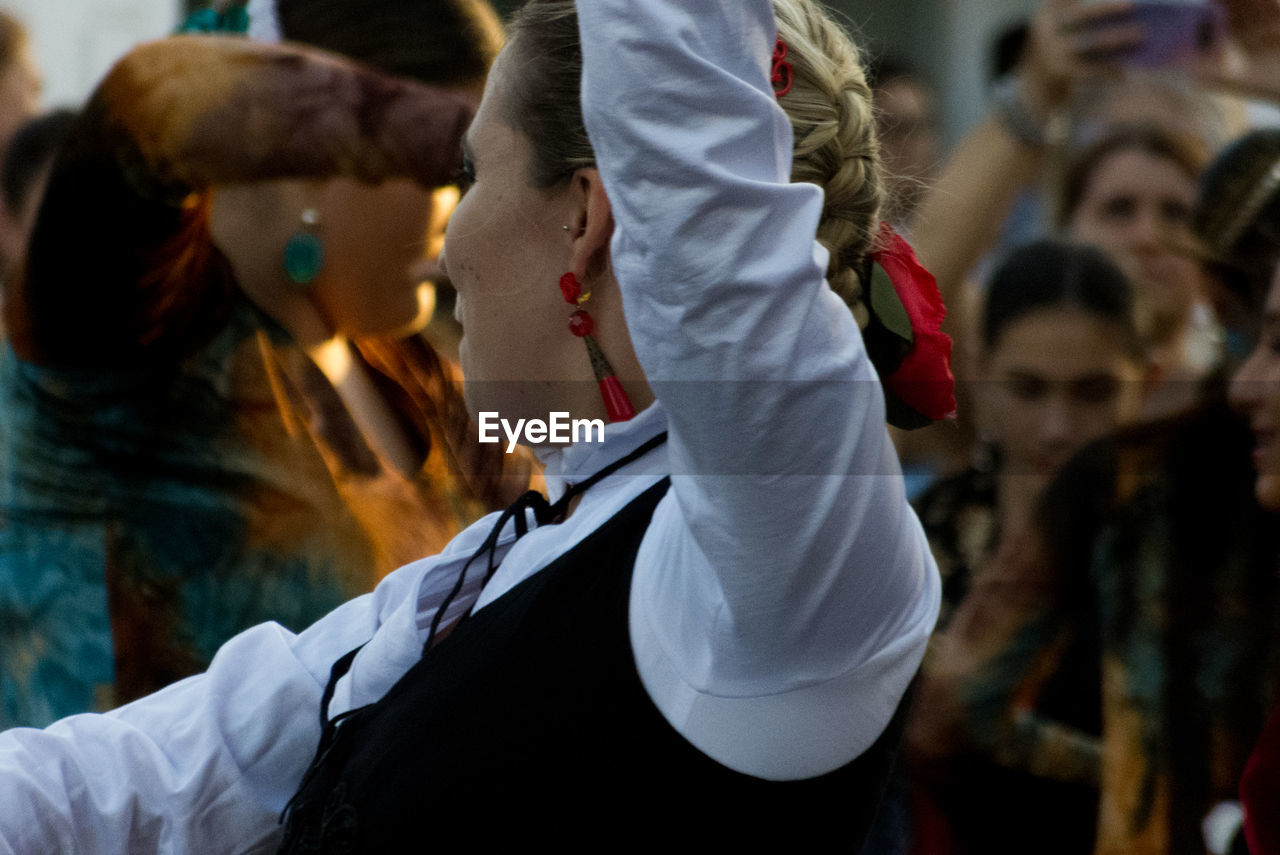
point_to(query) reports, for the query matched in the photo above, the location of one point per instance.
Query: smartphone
(1176, 32)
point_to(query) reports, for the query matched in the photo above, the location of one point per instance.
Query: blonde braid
(835, 140)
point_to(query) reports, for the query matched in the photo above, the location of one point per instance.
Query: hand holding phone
(1072, 40)
(1176, 33)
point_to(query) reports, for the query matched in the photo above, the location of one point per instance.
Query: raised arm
(784, 593)
(120, 261)
(201, 111)
(963, 211)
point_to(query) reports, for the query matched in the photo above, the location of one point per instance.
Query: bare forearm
(210, 111)
(961, 215)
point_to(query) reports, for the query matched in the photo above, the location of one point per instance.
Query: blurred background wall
(76, 41)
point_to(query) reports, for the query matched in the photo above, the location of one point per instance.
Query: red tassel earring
(616, 404)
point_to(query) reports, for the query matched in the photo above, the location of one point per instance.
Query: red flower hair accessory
(919, 388)
(781, 76)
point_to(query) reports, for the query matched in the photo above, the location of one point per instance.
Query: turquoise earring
(304, 253)
(234, 20)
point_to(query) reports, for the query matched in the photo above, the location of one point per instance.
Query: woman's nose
(1145, 231)
(1056, 423)
(1243, 391)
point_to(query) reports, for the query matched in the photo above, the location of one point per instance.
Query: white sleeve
(205, 765)
(784, 592)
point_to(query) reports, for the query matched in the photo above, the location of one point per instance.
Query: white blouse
(783, 594)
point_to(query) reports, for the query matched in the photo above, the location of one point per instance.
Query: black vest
(529, 724)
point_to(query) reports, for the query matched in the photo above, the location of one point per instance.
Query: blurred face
(1056, 379)
(1255, 390)
(16, 226)
(1137, 208)
(19, 93)
(381, 243)
(505, 251)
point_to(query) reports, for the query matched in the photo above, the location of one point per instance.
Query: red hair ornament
(904, 300)
(781, 76)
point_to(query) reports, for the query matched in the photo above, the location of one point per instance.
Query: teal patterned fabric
(129, 502)
(174, 469)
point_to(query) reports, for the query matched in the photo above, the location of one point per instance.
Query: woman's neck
(379, 425)
(1016, 499)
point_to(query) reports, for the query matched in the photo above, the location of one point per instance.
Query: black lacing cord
(328, 729)
(544, 513)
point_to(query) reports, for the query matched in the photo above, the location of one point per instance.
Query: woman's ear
(250, 224)
(245, 224)
(591, 226)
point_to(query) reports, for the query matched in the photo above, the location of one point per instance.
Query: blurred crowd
(190, 445)
(1106, 657)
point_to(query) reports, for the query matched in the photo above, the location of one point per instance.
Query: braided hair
(829, 105)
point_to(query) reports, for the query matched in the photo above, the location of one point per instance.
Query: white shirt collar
(568, 464)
